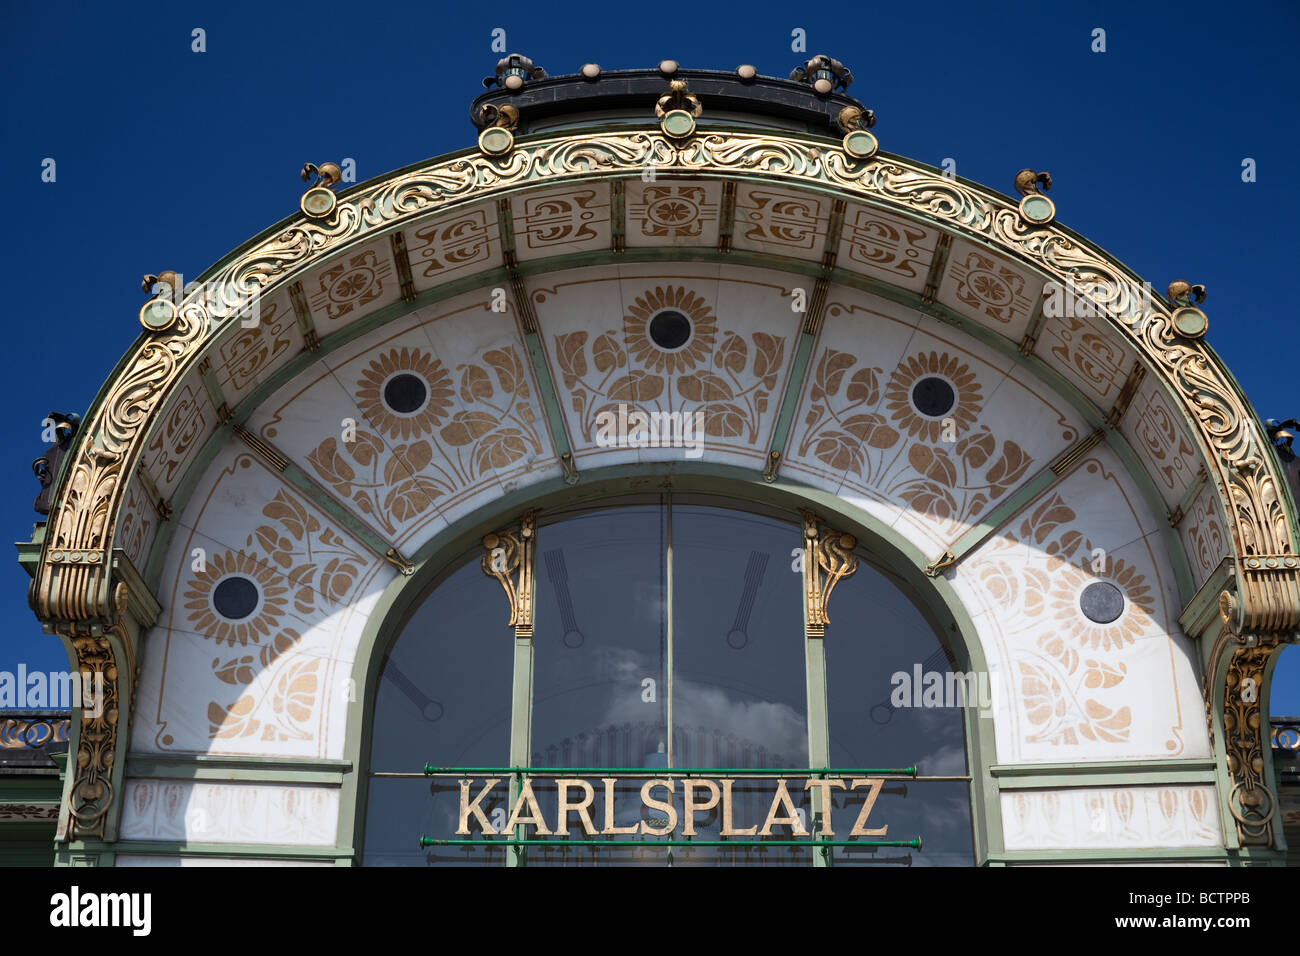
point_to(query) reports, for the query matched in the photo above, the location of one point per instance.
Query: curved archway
(859, 665)
(1010, 409)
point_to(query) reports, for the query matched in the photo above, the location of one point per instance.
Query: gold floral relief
(989, 287)
(729, 377)
(136, 526)
(671, 211)
(1162, 439)
(1207, 542)
(1089, 354)
(300, 568)
(891, 246)
(562, 218)
(1063, 682)
(241, 359)
(786, 219)
(950, 468)
(351, 284)
(188, 420)
(399, 471)
(451, 244)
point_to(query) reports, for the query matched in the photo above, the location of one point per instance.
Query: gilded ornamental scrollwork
(508, 556)
(74, 580)
(828, 558)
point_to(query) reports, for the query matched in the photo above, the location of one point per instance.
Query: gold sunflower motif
(898, 395)
(264, 622)
(698, 344)
(1068, 584)
(399, 423)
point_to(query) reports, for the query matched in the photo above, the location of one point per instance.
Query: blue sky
(168, 159)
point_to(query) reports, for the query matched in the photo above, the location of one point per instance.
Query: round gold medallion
(158, 315)
(677, 123)
(860, 144)
(495, 141)
(1037, 209)
(317, 202)
(1190, 322)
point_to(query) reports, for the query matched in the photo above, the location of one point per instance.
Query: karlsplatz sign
(659, 807)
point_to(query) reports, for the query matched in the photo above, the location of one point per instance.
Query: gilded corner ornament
(828, 558)
(508, 556)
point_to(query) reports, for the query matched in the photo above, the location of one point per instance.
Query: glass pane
(600, 667)
(739, 690)
(878, 644)
(443, 698)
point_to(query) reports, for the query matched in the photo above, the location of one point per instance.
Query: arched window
(669, 636)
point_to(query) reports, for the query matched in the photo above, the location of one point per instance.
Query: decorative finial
(1182, 292)
(318, 201)
(677, 110)
(823, 74)
(513, 72)
(497, 137)
(1035, 208)
(1028, 181)
(159, 313)
(855, 122)
(1188, 321)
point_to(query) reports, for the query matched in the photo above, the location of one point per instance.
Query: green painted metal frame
(498, 275)
(901, 561)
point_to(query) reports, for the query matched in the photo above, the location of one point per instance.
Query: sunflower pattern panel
(264, 600)
(922, 429)
(660, 368)
(1076, 605)
(415, 423)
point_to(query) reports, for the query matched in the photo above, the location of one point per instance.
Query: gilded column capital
(508, 556)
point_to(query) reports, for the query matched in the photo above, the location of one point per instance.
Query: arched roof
(822, 280)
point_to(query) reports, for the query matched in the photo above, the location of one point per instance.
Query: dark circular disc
(405, 393)
(235, 598)
(670, 329)
(933, 396)
(1101, 602)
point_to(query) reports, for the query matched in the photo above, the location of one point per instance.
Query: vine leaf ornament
(828, 558)
(508, 556)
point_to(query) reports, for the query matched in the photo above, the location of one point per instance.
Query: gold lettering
(609, 810)
(667, 808)
(825, 787)
(728, 829)
(859, 828)
(690, 807)
(782, 799)
(467, 807)
(534, 817)
(582, 808)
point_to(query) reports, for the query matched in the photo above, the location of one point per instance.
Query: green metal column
(521, 731)
(819, 735)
